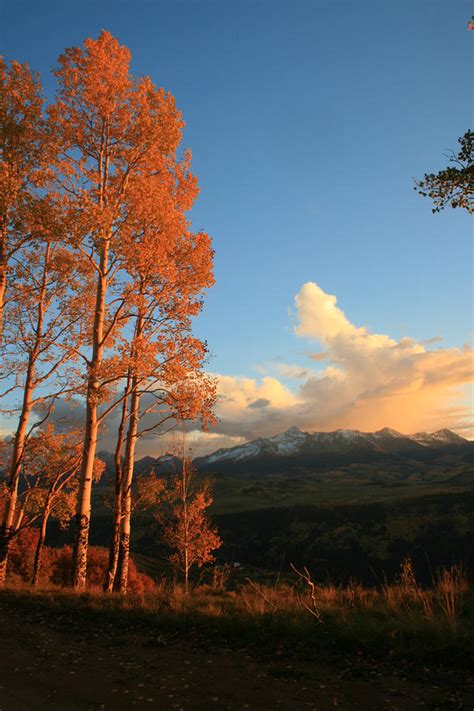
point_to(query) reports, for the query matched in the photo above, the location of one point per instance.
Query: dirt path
(49, 666)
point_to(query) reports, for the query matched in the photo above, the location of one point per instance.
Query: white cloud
(371, 381)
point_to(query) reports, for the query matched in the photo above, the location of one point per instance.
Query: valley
(345, 504)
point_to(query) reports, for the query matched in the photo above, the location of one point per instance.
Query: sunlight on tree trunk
(91, 432)
(40, 545)
(127, 487)
(114, 549)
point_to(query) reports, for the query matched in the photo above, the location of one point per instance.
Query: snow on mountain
(236, 453)
(436, 438)
(387, 432)
(423, 438)
(288, 442)
(294, 442)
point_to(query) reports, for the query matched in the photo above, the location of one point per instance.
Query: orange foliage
(57, 564)
(61, 569)
(127, 194)
(22, 136)
(22, 554)
(24, 159)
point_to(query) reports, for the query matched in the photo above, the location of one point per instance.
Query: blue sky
(307, 122)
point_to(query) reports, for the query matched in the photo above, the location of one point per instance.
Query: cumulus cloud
(248, 407)
(371, 380)
(378, 377)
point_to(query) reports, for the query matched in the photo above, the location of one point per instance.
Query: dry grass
(400, 620)
(451, 588)
(444, 600)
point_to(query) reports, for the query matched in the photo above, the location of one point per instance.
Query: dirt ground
(46, 664)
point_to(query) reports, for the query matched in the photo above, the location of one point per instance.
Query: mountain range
(298, 450)
(294, 442)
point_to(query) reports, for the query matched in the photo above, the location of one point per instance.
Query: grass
(397, 623)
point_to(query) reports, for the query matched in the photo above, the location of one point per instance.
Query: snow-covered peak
(388, 432)
(291, 431)
(288, 442)
(348, 435)
(423, 438)
(243, 451)
(446, 435)
(443, 436)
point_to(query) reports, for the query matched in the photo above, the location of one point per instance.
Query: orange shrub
(22, 554)
(57, 564)
(60, 572)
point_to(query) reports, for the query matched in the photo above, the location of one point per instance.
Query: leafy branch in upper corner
(455, 184)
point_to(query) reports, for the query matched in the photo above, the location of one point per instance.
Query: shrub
(97, 561)
(57, 564)
(22, 554)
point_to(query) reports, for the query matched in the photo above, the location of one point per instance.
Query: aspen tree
(166, 382)
(116, 135)
(189, 398)
(187, 530)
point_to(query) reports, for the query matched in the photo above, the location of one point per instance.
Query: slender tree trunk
(3, 270)
(127, 479)
(118, 572)
(124, 555)
(5, 542)
(114, 550)
(83, 512)
(40, 544)
(185, 516)
(125, 527)
(91, 430)
(8, 527)
(186, 573)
